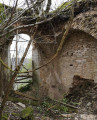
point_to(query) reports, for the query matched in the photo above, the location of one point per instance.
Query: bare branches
(65, 104)
(26, 96)
(59, 48)
(24, 26)
(48, 6)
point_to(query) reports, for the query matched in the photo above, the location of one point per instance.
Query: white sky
(55, 3)
(22, 45)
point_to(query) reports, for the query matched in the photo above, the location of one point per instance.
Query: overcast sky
(55, 3)
(22, 45)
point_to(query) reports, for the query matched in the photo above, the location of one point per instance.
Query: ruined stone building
(78, 56)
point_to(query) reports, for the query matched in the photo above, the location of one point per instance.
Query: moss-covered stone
(67, 5)
(16, 100)
(27, 114)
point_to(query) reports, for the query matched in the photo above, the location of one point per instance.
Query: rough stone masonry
(77, 58)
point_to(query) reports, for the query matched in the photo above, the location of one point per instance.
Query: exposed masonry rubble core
(78, 56)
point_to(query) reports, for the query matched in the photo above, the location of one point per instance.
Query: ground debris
(85, 95)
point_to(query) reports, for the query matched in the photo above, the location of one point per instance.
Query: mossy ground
(46, 108)
(52, 108)
(5, 116)
(27, 114)
(16, 100)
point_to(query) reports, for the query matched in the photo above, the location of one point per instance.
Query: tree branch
(24, 95)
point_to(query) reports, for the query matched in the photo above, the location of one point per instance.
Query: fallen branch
(22, 82)
(51, 107)
(24, 76)
(26, 96)
(68, 105)
(22, 79)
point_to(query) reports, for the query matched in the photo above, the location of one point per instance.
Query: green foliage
(1, 8)
(35, 78)
(67, 4)
(50, 107)
(16, 114)
(27, 114)
(1, 12)
(61, 108)
(28, 65)
(64, 5)
(26, 87)
(5, 116)
(34, 103)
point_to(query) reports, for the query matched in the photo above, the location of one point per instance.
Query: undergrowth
(27, 114)
(51, 108)
(26, 87)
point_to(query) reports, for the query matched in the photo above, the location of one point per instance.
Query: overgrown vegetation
(16, 100)
(27, 65)
(2, 16)
(26, 88)
(52, 108)
(5, 116)
(47, 107)
(27, 114)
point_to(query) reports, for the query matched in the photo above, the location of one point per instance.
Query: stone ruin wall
(77, 58)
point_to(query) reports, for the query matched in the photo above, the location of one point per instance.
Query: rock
(67, 115)
(88, 117)
(21, 105)
(88, 104)
(27, 114)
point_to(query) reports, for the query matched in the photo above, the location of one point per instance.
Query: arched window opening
(17, 50)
